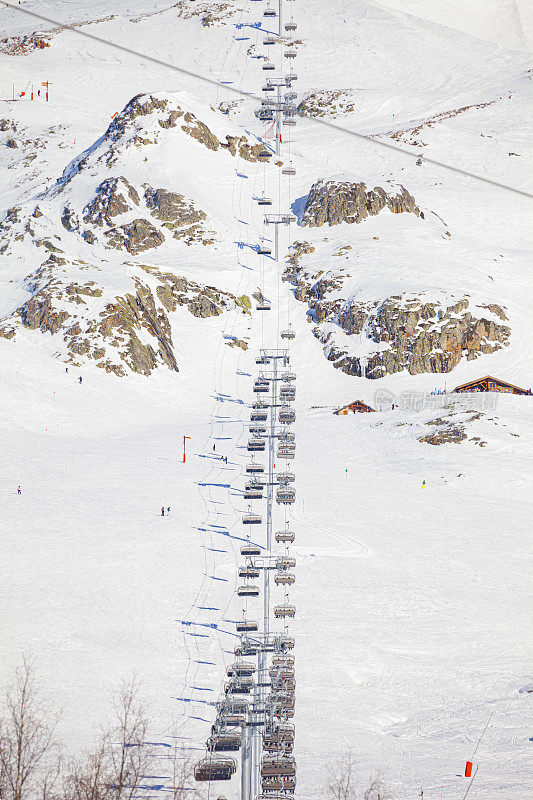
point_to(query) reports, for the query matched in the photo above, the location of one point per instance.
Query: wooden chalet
(490, 384)
(356, 407)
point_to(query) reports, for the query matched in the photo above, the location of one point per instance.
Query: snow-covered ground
(412, 603)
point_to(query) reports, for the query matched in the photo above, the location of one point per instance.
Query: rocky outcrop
(327, 103)
(210, 13)
(143, 105)
(127, 318)
(22, 45)
(109, 201)
(135, 237)
(177, 214)
(238, 343)
(409, 333)
(446, 432)
(129, 332)
(334, 202)
(206, 301)
(116, 196)
(115, 211)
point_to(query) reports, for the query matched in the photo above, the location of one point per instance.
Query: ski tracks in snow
(352, 548)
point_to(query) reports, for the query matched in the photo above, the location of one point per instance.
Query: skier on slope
(162, 511)
(80, 379)
(423, 484)
(168, 510)
(19, 490)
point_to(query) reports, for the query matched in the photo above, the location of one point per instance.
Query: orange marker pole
(185, 437)
(468, 769)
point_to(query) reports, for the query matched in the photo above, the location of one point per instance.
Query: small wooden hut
(490, 384)
(357, 407)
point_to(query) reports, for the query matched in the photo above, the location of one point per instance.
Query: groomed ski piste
(412, 600)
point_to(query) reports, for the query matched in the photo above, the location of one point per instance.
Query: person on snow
(423, 484)
(19, 490)
(213, 448)
(162, 511)
(168, 510)
(80, 379)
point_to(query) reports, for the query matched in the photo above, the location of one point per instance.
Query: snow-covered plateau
(129, 280)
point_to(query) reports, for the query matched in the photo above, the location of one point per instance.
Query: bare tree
(88, 778)
(29, 753)
(129, 756)
(113, 770)
(341, 784)
(182, 776)
(376, 790)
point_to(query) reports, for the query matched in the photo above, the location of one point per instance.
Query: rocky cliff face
(332, 202)
(121, 212)
(385, 335)
(410, 334)
(115, 197)
(119, 200)
(128, 332)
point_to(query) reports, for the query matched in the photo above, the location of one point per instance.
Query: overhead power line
(251, 96)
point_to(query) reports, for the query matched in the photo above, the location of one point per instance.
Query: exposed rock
(177, 214)
(47, 245)
(109, 202)
(247, 151)
(497, 311)
(39, 312)
(89, 236)
(410, 334)
(334, 202)
(89, 289)
(245, 303)
(11, 143)
(238, 343)
(7, 332)
(22, 45)
(135, 236)
(327, 103)
(170, 121)
(70, 220)
(400, 332)
(450, 433)
(204, 306)
(128, 316)
(204, 301)
(411, 135)
(199, 131)
(139, 106)
(171, 207)
(210, 13)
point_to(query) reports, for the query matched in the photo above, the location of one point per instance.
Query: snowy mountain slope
(495, 21)
(105, 201)
(411, 602)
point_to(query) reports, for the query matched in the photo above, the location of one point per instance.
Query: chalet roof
(489, 378)
(352, 404)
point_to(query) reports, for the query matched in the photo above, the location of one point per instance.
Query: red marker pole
(185, 437)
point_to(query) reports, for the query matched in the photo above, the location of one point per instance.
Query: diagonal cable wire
(252, 96)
